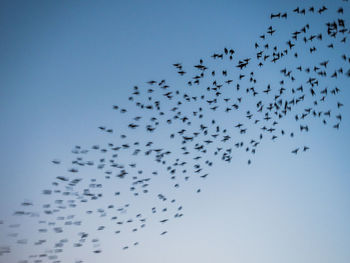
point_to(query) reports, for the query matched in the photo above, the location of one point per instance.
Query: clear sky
(63, 64)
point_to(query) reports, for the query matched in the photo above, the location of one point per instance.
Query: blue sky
(65, 63)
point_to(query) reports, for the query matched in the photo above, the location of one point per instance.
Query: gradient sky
(64, 63)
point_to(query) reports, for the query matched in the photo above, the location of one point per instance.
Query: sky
(63, 64)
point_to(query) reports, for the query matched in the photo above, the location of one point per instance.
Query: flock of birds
(221, 110)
